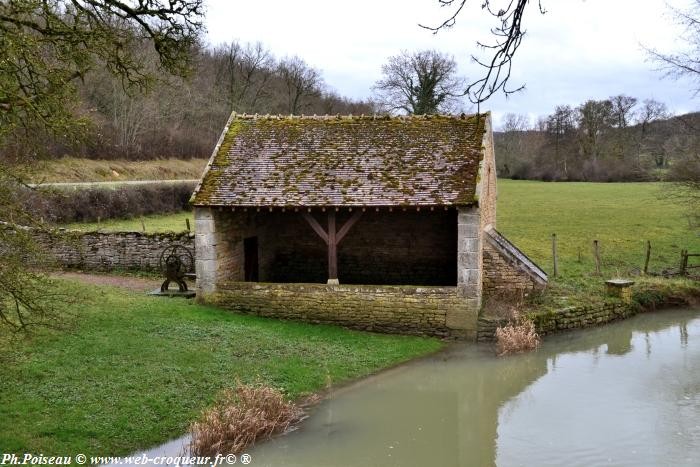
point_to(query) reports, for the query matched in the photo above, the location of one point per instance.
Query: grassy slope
(622, 216)
(87, 170)
(135, 370)
(154, 223)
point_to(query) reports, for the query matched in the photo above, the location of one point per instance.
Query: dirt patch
(135, 284)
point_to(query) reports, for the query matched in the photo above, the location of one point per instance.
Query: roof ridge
(462, 116)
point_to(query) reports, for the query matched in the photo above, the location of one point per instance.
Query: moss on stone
(415, 160)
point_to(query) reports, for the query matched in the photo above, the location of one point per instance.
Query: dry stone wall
(393, 309)
(105, 251)
(549, 322)
(502, 276)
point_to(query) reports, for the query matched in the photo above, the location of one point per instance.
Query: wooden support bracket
(332, 237)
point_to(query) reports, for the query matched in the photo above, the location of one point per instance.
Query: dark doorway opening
(250, 252)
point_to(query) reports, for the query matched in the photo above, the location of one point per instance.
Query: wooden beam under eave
(348, 225)
(315, 225)
(332, 250)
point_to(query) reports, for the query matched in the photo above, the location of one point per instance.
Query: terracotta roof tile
(344, 161)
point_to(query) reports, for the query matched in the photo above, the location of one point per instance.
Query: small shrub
(516, 338)
(240, 418)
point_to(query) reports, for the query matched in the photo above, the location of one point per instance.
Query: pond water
(627, 394)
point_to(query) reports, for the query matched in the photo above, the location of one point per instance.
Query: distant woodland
(616, 139)
(183, 117)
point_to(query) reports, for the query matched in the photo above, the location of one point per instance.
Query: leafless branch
(508, 38)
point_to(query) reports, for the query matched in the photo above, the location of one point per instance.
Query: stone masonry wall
(395, 309)
(487, 188)
(469, 257)
(502, 276)
(219, 245)
(104, 251)
(549, 322)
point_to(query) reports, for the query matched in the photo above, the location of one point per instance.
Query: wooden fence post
(187, 223)
(596, 253)
(143, 225)
(684, 262)
(646, 260)
(554, 254)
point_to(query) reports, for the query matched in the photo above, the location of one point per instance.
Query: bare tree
(647, 141)
(561, 125)
(622, 110)
(685, 62)
(510, 144)
(621, 113)
(424, 82)
(243, 73)
(595, 117)
(301, 82)
(508, 35)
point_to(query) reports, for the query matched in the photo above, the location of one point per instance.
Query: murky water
(627, 394)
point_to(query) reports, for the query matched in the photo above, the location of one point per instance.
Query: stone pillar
(469, 265)
(205, 249)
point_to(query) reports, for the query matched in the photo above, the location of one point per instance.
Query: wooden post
(684, 262)
(143, 225)
(332, 238)
(579, 254)
(332, 249)
(554, 254)
(646, 260)
(187, 223)
(596, 253)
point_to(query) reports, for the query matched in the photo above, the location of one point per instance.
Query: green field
(621, 216)
(132, 371)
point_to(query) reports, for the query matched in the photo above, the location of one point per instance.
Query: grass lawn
(133, 371)
(621, 216)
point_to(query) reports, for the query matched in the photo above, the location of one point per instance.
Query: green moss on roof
(363, 161)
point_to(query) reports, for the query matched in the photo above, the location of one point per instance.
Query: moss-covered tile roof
(344, 161)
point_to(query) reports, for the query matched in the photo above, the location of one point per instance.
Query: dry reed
(516, 338)
(240, 418)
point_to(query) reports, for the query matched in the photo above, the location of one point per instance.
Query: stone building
(379, 223)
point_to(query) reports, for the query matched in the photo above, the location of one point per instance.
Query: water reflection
(625, 394)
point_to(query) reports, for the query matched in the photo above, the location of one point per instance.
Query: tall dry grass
(516, 338)
(240, 418)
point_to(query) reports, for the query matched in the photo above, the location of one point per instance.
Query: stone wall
(394, 309)
(507, 270)
(487, 189)
(469, 257)
(106, 251)
(501, 276)
(548, 322)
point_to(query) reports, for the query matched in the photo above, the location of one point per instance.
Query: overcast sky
(577, 50)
